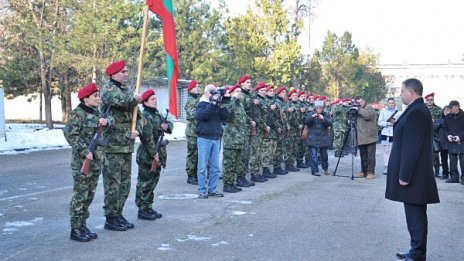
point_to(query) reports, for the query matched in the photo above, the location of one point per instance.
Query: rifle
(94, 142)
(160, 142)
(393, 115)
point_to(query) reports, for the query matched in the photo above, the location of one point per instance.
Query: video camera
(220, 97)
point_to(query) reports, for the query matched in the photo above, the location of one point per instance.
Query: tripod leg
(345, 140)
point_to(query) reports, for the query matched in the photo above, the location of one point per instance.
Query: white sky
(413, 31)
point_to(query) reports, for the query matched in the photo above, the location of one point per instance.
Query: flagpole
(139, 69)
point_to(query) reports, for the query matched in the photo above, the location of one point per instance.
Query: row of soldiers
(265, 130)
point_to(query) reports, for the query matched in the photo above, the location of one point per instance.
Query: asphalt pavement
(293, 217)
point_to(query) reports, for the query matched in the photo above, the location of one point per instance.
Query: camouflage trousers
(192, 157)
(339, 138)
(146, 184)
(246, 154)
(280, 153)
(255, 155)
(268, 150)
(291, 147)
(116, 182)
(83, 194)
(231, 165)
(302, 150)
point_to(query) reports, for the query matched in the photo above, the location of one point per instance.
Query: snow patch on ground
(165, 247)
(193, 238)
(243, 202)
(23, 223)
(238, 213)
(220, 243)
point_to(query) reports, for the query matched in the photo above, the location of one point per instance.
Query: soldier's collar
(116, 82)
(87, 109)
(194, 95)
(150, 110)
(245, 91)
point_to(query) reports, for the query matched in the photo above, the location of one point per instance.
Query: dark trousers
(444, 162)
(314, 163)
(367, 153)
(416, 219)
(454, 172)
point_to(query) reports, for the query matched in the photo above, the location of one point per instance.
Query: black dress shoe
(145, 215)
(192, 181)
(124, 222)
(112, 223)
(402, 255)
(157, 214)
(89, 233)
(215, 194)
(78, 234)
(451, 180)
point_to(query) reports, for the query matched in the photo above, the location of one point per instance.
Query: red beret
(323, 98)
(280, 89)
(260, 85)
(233, 88)
(87, 91)
(115, 67)
(191, 85)
(147, 94)
(316, 97)
(429, 95)
(309, 95)
(270, 87)
(243, 78)
(301, 93)
(291, 92)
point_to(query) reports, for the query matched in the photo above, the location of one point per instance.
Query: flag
(164, 9)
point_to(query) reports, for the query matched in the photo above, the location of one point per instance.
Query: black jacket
(411, 157)
(454, 125)
(438, 128)
(318, 133)
(209, 120)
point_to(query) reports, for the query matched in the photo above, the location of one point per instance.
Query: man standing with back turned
(410, 176)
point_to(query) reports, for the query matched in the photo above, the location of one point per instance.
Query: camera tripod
(351, 131)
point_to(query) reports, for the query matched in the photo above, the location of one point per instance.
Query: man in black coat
(410, 176)
(454, 133)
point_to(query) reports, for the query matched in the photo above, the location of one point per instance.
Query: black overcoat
(454, 125)
(411, 158)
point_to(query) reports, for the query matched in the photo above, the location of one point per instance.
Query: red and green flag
(164, 9)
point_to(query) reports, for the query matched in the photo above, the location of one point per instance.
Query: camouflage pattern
(435, 111)
(80, 127)
(340, 125)
(292, 137)
(118, 154)
(302, 148)
(268, 147)
(192, 150)
(280, 154)
(234, 142)
(146, 180)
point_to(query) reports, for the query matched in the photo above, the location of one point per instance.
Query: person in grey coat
(319, 123)
(410, 177)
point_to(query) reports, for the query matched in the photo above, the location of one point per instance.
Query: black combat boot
(112, 223)
(242, 182)
(292, 168)
(145, 215)
(192, 181)
(157, 214)
(279, 171)
(88, 232)
(268, 174)
(124, 222)
(300, 164)
(258, 178)
(230, 189)
(78, 234)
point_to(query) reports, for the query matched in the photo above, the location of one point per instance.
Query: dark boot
(230, 189)
(279, 171)
(242, 182)
(157, 214)
(124, 222)
(437, 171)
(258, 178)
(145, 215)
(112, 223)
(89, 233)
(444, 175)
(292, 168)
(192, 181)
(78, 234)
(267, 174)
(300, 164)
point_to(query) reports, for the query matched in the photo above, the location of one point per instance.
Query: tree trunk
(40, 105)
(63, 100)
(67, 94)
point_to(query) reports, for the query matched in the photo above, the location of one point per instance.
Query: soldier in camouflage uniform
(153, 125)
(192, 151)
(293, 132)
(280, 154)
(234, 140)
(117, 162)
(82, 123)
(340, 125)
(275, 127)
(436, 112)
(302, 149)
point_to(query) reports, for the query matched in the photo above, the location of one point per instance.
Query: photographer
(366, 137)
(210, 114)
(318, 139)
(454, 133)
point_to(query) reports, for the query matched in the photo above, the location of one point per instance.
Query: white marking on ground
(18, 224)
(251, 235)
(244, 202)
(165, 247)
(220, 243)
(33, 199)
(10, 229)
(193, 238)
(18, 206)
(238, 213)
(178, 196)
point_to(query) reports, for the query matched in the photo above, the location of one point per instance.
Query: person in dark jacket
(441, 142)
(210, 115)
(318, 139)
(454, 132)
(410, 177)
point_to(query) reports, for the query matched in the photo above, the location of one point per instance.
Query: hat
(280, 89)
(453, 103)
(316, 97)
(147, 94)
(192, 84)
(260, 85)
(309, 95)
(319, 104)
(115, 67)
(301, 93)
(270, 87)
(232, 89)
(243, 79)
(87, 91)
(429, 95)
(291, 92)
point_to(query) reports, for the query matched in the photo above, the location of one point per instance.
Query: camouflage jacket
(122, 102)
(190, 110)
(151, 131)
(340, 118)
(235, 130)
(273, 118)
(81, 125)
(293, 117)
(282, 105)
(435, 111)
(253, 112)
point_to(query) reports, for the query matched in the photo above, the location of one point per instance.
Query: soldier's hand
(290, 109)
(138, 97)
(256, 101)
(300, 126)
(156, 157)
(134, 134)
(273, 106)
(268, 129)
(89, 156)
(102, 122)
(253, 123)
(288, 127)
(279, 130)
(302, 109)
